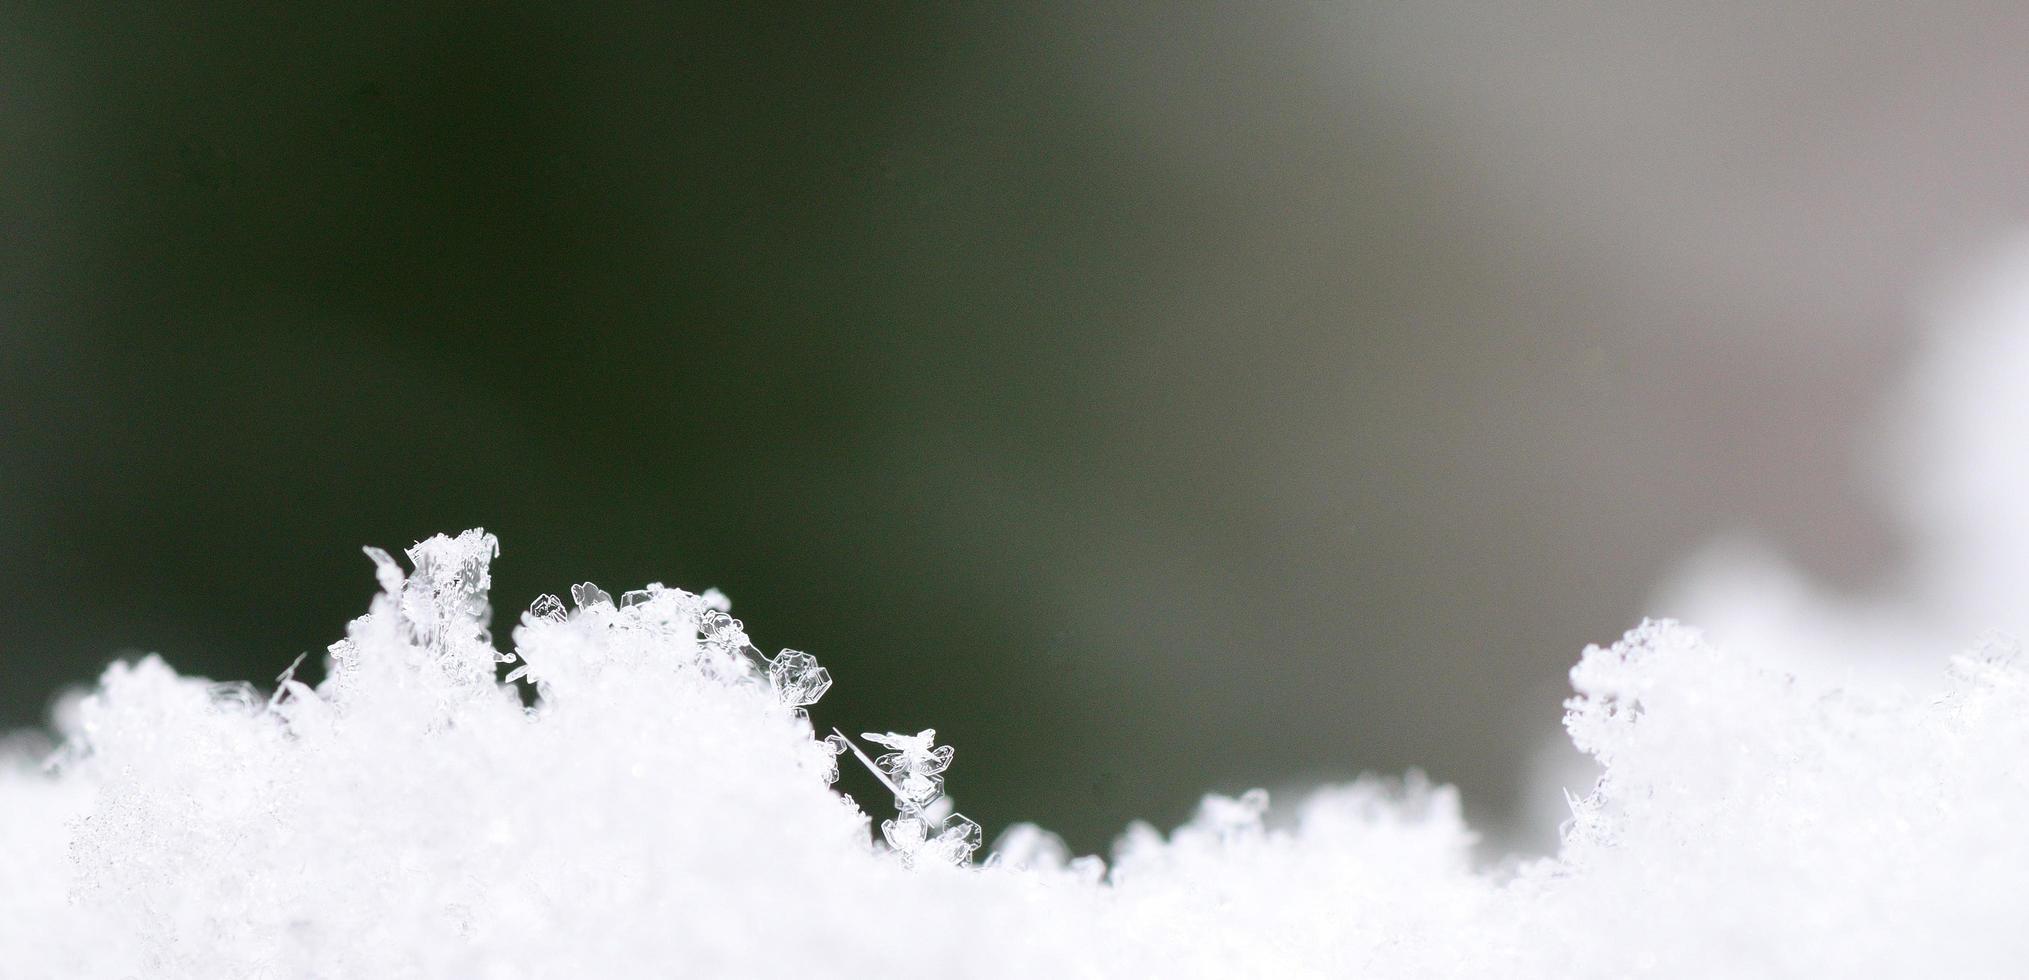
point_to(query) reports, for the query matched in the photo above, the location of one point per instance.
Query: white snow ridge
(664, 809)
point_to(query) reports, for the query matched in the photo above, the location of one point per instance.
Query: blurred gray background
(1155, 398)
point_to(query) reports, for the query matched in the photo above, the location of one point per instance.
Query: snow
(631, 788)
(663, 809)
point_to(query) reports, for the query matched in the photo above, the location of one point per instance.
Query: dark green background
(1153, 398)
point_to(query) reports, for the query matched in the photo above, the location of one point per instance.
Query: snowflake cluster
(723, 649)
(924, 826)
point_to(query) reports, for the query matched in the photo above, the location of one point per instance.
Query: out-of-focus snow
(1952, 465)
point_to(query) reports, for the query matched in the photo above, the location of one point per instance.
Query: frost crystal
(797, 678)
(549, 608)
(924, 829)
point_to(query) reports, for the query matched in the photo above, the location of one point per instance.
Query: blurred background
(1153, 398)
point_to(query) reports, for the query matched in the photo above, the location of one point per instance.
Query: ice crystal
(797, 678)
(923, 828)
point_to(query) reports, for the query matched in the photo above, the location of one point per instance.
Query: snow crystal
(924, 828)
(797, 678)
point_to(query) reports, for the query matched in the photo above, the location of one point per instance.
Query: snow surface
(664, 811)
